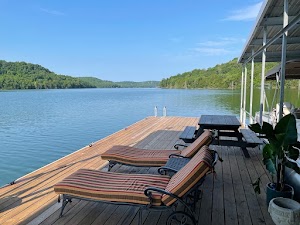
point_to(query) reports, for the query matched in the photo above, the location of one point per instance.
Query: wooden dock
(227, 199)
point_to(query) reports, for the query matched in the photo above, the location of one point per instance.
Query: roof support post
(245, 93)
(262, 82)
(251, 89)
(242, 92)
(283, 57)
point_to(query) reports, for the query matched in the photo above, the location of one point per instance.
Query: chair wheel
(180, 218)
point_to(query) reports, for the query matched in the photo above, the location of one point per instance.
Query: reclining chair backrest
(204, 139)
(189, 175)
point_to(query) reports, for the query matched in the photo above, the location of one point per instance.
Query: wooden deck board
(227, 198)
(239, 192)
(248, 177)
(218, 193)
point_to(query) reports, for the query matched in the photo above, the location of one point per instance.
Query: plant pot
(284, 211)
(293, 178)
(288, 192)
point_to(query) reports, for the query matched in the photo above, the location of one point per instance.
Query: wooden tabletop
(225, 122)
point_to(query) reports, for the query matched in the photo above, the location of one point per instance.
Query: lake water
(40, 126)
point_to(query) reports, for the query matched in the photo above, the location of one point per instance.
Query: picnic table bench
(188, 134)
(250, 137)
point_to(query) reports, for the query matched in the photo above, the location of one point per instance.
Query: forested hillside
(122, 84)
(99, 83)
(21, 75)
(227, 75)
(143, 84)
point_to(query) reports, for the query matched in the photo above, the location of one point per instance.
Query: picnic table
(226, 125)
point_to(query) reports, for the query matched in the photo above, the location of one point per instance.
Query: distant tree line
(143, 84)
(122, 84)
(99, 83)
(21, 75)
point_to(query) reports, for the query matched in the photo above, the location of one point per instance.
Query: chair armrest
(177, 155)
(176, 146)
(148, 192)
(162, 170)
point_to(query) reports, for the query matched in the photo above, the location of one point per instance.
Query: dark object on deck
(174, 164)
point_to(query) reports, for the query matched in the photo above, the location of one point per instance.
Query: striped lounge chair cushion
(137, 156)
(112, 187)
(189, 175)
(204, 139)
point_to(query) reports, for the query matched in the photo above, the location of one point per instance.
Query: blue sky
(121, 40)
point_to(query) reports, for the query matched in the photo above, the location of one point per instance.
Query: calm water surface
(40, 126)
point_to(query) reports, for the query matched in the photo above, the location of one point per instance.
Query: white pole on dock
(165, 111)
(155, 111)
(242, 92)
(245, 93)
(262, 83)
(283, 57)
(251, 89)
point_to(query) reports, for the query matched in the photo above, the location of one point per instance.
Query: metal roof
(292, 71)
(271, 16)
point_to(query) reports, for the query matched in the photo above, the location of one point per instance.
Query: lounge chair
(147, 191)
(154, 158)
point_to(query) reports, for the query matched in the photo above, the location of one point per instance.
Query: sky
(125, 40)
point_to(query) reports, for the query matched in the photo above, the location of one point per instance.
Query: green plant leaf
(270, 166)
(293, 153)
(268, 152)
(256, 185)
(257, 189)
(266, 128)
(256, 128)
(293, 166)
(280, 139)
(275, 146)
(287, 126)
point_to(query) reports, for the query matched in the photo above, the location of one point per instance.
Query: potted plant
(277, 154)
